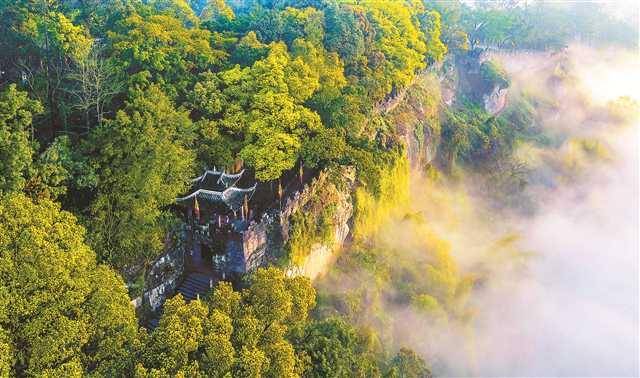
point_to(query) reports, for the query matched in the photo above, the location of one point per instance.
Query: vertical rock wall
(416, 120)
(311, 201)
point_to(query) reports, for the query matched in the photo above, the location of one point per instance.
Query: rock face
(312, 201)
(477, 77)
(415, 115)
(496, 100)
(417, 120)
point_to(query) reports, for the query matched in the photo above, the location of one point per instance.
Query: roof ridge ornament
(205, 173)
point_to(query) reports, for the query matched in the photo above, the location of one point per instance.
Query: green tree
(251, 363)
(44, 42)
(162, 45)
(178, 337)
(259, 111)
(248, 50)
(332, 348)
(239, 333)
(407, 364)
(432, 25)
(452, 33)
(179, 9)
(323, 148)
(143, 163)
(344, 33)
(17, 144)
(398, 47)
(62, 314)
(214, 9)
(218, 354)
(268, 296)
(59, 168)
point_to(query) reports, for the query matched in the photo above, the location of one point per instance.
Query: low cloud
(573, 310)
(556, 289)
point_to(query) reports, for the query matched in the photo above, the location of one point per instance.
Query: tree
(94, 83)
(455, 139)
(57, 169)
(61, 313)
(214, 9)
(398, 47)
(332, 348)
(344, 33)
(323, 148)
(143, 163)
(251, 363)
(179, 9)
(489, 26)
(45, 175)
(268, 296)
(225, 299)
(218, 354)
(49, 42)
(248, 50)
(239, 333)
(277, 121)
(162, 45)
(17, 143)
(432, 26)
(261, 109)
(407, 364)
(177, 338)
(303, 298)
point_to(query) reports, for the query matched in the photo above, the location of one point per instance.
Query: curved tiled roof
(217, 178)
(232, 197)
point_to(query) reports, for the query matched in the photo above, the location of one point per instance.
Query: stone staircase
(193, 286)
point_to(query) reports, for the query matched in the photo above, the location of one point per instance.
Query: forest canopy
(108, 109)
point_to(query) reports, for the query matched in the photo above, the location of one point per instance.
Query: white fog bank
(574, 312)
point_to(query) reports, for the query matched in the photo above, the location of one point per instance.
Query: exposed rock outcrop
(496, 100)
(416, 120)
(330, 190)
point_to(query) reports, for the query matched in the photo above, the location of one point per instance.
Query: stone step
(187, 294)
(193, 285)
(196, 285)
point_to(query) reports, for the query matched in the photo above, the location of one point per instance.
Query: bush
(493, 74)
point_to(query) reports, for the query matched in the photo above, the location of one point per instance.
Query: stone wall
(156, 296)
(164, 276)
(255, 241)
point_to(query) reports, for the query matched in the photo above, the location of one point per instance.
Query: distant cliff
(416, 119)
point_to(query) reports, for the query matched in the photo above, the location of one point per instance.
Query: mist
(555, 288)
(575, 311)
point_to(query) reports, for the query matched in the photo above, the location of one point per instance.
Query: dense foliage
(111, 107)
(108, 108)
(87, 86)
(61, 313)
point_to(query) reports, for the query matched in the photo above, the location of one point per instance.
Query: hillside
(317, 188)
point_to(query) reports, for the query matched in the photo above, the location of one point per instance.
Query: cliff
(315, 223)
(476, 77)
(416, 120)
